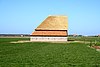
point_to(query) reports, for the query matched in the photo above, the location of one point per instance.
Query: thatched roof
(54, 23)
(50, 33)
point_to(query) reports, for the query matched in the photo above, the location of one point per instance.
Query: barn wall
(48, 38)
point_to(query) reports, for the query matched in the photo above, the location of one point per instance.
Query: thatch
(54, 23)
(50, 33)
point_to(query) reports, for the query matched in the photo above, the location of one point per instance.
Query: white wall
(48, 38)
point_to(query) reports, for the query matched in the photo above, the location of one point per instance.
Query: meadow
(46, 54)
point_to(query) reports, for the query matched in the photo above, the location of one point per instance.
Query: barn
(53, 28)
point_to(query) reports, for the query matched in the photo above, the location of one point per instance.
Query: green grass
(3, 40)
(86, 39)
(41, 54)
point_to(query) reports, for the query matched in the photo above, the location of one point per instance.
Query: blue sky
(23, 16)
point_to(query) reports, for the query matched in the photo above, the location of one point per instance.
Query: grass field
(42, 54)
(92, 40)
